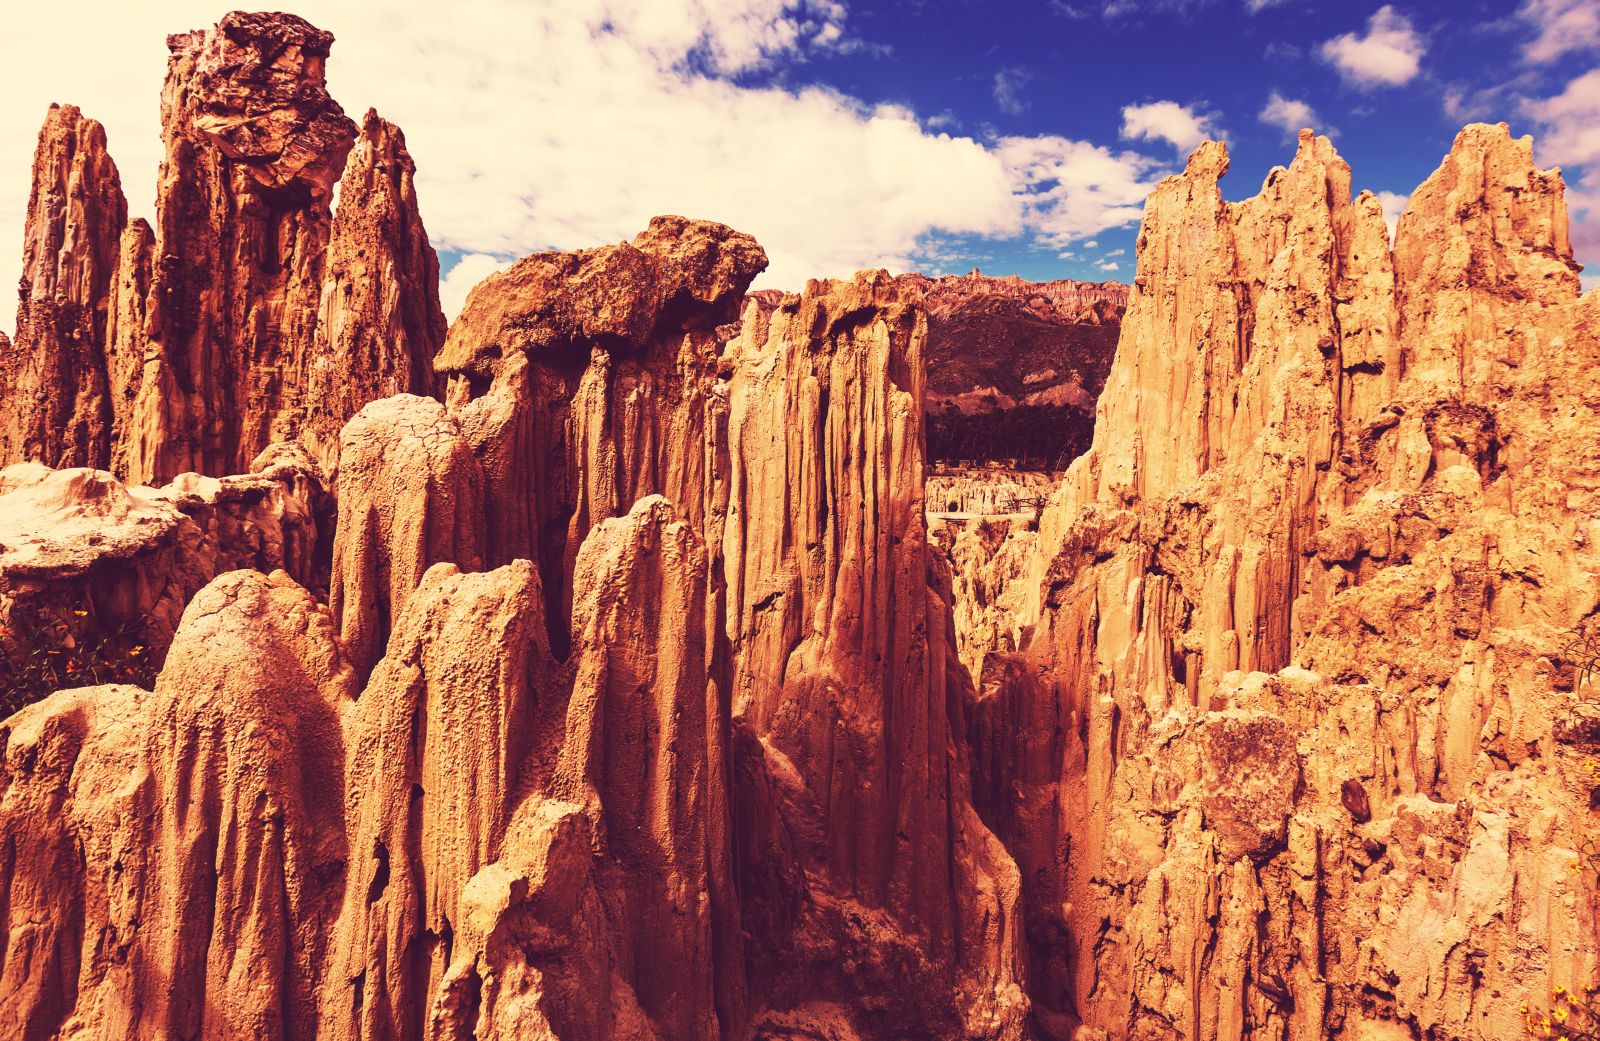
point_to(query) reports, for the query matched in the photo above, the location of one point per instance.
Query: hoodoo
(59, 406)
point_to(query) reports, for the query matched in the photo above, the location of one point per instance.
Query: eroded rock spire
(57, 405)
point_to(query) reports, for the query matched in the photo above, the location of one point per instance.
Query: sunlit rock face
(1293, 687)
(378, 322)
(584, 381)
(53, 378)
(1014, 367)
(254, 146)
(625, 690)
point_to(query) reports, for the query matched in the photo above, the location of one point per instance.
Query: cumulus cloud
(1394, 204)
(461, 276)
(1182, 126)
(1074, 189)
(570, 123)
(1389, 54)
(1569, 136)
(1288, 114)
(1257, 6)
(1560, 27)
(1570, 122)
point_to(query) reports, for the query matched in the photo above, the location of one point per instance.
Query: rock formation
(626, 696)
(53, 380)
(1294, 695)
(587, 380)
(86, 562)
(194, 832)
(252, 314)
(1014, 367)
(660, 836)
(847, 683)
(379, 324)
(410, 495)
(254, 146)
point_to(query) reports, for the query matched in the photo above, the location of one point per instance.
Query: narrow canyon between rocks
(639, 658)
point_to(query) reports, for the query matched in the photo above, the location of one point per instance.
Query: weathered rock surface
(254, 146)
(410, 496)
(83, 557)
(586, 381)
(605, 917)
(1282, 753)
(379, 324)
(440, 749)
(1014, 367)
(55, 403)
(194, 841)
(847, 681)
(642, 708)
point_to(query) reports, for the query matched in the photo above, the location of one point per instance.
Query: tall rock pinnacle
(53, 377)
(379, 324)
(254, 146)
(1299, 620)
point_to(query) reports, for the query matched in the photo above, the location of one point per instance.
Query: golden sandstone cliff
(588, 672)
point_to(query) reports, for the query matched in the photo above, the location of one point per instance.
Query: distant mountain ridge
(1014, 367)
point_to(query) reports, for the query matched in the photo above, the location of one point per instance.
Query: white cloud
(1394, 204)
(1288, 114)
(1107, 265)
(1569, 135)
(570, 123)
(1008, 85)
(467, 272)
(1570, 122)
(1180, 125)
(1073, 189)
(1389, 55)
(1257, 6)
(1561, 26)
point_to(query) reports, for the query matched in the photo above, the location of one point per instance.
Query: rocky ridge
(547, 763)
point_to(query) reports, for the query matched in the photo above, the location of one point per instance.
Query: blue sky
(1020, 137)
(1020, 67)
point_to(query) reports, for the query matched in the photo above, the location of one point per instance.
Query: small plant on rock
(1573, 1015)
(39, 657)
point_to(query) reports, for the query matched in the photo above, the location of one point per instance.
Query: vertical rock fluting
(440, 746)
(584, 381)
(254, 146)
(846, 677)
(126, 342)
(600, 921)
(379, 324)
(194, 847)
(410, 496)
(55, 403)
(1289, 749)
